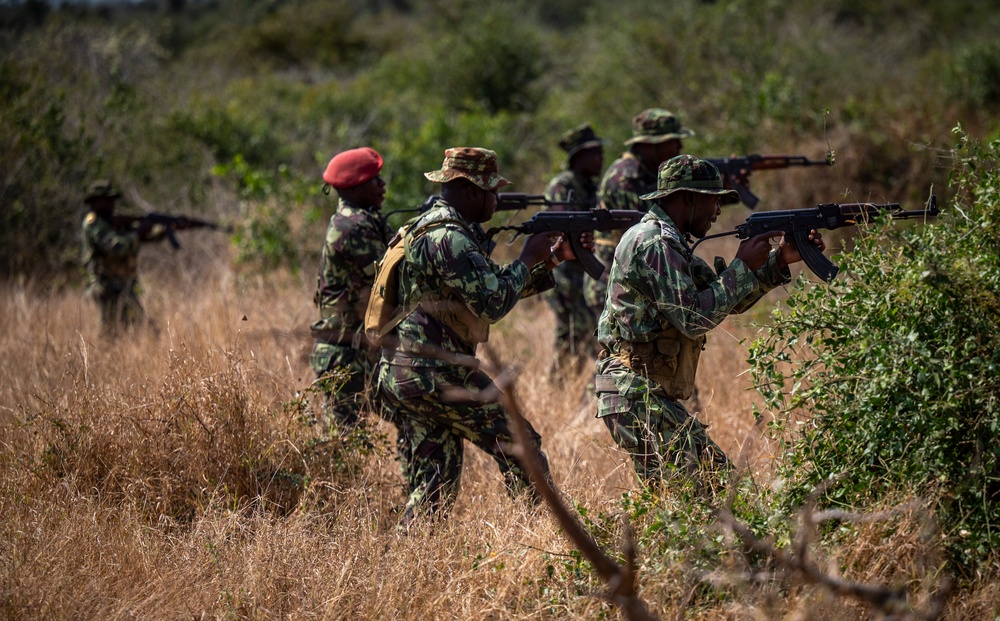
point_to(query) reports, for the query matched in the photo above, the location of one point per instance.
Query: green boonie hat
(477, 165)
(100, 188)
(579, 138)
(657, 125)
(686, 172)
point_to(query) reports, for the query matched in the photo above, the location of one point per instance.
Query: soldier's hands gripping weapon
(571, 224)
(736, 170)
(170, 224)
(798, 222)
(506, 201)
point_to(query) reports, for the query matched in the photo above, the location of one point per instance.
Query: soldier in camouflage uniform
(657, 136)
(355, 240)
(662, 300)
(576, 321)
(111, 259)
(450, 292)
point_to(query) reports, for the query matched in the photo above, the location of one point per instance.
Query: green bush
(890, 377)
(975, 76)
(44, 162)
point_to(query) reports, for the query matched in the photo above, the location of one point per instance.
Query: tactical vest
(671, 360)
(384, 313)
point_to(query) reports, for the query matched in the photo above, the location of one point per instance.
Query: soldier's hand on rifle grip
(563, 250)
(788, 252)
(147, 230)
(537, 248)
(754, 251)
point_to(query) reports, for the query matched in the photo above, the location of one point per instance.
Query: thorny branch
(889, 601)
(620, 580)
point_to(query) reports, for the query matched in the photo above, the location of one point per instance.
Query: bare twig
(620, 581)
(890, 601)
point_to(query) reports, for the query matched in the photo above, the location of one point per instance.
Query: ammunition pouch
(671, 360)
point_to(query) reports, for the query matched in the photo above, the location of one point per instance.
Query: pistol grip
(747, 197)
(591, 264)
(814, 259)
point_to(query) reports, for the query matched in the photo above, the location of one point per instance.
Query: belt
(414, 359)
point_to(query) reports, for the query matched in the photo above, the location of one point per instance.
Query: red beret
(353, 167)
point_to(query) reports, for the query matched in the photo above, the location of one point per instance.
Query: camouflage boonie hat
(100, 188)
(656, 125)
(477, 165)
(686, 172)
(579, 138)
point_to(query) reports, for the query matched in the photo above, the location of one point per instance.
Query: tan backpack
(383, 313)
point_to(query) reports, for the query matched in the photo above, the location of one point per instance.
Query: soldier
(111, 259)
(451, 292)
(657, 136)
(355, 239)
(575, 346)
(662, 299)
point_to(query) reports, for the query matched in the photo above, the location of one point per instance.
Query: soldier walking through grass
(657, 136)
(355, 239)
(111, 259)
(662, 299)
(449, 293)
(576, 321)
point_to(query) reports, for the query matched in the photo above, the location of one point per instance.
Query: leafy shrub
(890, 377)
(44, 161)
(975, 75)
(266, 238)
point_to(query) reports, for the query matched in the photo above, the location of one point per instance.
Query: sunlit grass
(172, 475)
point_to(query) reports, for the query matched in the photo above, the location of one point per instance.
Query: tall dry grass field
(171, 474)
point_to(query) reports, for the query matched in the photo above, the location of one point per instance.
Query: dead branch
(620, 581)
(890, 601)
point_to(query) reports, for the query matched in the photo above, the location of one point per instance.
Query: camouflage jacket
(656, 281)
(110, 255)
(569, 184)
(446, 266)
(356, 238)
(622, 185)
(624, 182)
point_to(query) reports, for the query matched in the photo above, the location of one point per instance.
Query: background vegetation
(177, 475)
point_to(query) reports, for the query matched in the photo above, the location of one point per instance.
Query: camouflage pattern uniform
(355, 240)
(576, 321)
(431, 381)
(623, 185)
(662, 300)
(111, 260)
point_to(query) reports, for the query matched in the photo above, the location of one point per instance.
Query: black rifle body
(799, 222)
(506, 201)
(736, 170)
(571, 224)
(171, 224)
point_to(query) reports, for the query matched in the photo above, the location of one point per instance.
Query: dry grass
(171, 476)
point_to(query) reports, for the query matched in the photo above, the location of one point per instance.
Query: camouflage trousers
(345, 402)
(576, 345)
(658, 433)
(439, 407)
(120, 309)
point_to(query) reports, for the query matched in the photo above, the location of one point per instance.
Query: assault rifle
(570, 224)
(736, 170)
(169, 223)
(506, 201)
(798, 223)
